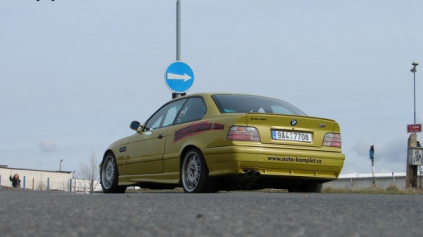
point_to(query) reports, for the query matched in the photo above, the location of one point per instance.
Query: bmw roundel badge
(293, 122)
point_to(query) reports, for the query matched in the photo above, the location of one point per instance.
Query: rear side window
(194, 109)
(254, 104)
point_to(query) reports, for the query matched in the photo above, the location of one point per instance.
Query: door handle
(160, 136)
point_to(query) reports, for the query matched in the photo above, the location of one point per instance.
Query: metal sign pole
(178, 39)
(372, 158)
(373, 171)
(179, 76)
(414, 72)
(178, 30)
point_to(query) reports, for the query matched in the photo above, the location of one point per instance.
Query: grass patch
(391, 190)
(9, 188)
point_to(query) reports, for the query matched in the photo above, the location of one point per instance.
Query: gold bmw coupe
(210, 142)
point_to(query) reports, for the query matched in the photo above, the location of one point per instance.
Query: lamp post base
(411, 176)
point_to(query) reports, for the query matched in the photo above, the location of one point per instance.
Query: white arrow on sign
(173, 76)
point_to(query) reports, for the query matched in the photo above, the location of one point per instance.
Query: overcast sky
(75, 73)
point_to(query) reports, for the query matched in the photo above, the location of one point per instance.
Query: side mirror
(136, 126)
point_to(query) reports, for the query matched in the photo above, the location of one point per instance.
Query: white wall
(366, 182)
(37, 179)
(84, 186)
(383, 180)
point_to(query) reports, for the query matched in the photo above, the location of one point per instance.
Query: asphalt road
(31, 213)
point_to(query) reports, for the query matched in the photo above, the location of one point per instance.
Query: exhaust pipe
(252, 173)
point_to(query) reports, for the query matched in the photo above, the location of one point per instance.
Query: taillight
(243, 134)
(332, 139)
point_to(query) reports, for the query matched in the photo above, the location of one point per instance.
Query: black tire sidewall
(310, 187)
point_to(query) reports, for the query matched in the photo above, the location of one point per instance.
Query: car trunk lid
(279, 129)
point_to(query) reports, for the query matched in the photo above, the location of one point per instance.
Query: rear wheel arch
(184, 151)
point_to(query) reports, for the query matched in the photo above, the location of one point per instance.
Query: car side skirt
(164, 178)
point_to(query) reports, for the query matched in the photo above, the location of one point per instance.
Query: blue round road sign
(179, 77)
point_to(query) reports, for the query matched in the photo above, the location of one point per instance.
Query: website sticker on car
(295, 160)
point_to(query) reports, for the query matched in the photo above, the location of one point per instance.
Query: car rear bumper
(233, 160)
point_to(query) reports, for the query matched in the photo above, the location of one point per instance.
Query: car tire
(314, 188)
(310, 187)
(109, 175)
(307, 187)
(195, 174)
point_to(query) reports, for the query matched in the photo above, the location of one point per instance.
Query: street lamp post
(414, 70)
(60, 167)
(411, 173)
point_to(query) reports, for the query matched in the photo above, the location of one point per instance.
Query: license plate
(292, 136)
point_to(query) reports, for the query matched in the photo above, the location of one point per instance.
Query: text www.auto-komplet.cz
(296, 160)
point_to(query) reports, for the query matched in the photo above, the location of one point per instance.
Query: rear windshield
(253, 104)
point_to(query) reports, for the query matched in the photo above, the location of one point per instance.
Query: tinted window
(193, 110)
(253, 104)
(164, 116)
